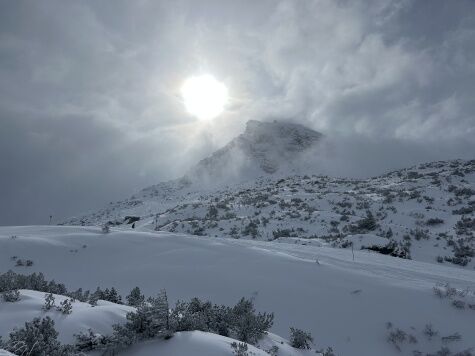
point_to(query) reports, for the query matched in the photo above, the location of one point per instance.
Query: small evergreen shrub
(11, 296)
(300, 339)
(49, 301)
(65, 307)
(239, 349)
(37, 338)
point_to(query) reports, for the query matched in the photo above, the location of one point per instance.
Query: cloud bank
(90, 108)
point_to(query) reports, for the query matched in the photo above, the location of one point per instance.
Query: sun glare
(204, 97)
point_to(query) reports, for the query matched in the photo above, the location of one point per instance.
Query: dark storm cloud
(89, 105)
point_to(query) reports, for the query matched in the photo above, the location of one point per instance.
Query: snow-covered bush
(251, 229)
(397, 337)
(197, 315)
(451, 338)
(444, 351)
(65, 307)
(110, 295)
(465, 225)
(300, 339)
(364, 225)
(105, 228)
(434, 221)
(90, 341)
(150, 320)
(239, 349)
(35, 281)
(93, 299)
(429, 331)
(283, 233)
(246, 324)
(20, 263)
(11, 295)
(49, 301)
(273, 351)
(420, 234)
(212, 212)
(37, 338)
(392, 248)
(328, 352)
(459, 304)
(79, 295)
(241, 321)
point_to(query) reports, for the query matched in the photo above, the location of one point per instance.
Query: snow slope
(199, 343)
(344, 303)
(99, 318)
(426, 212)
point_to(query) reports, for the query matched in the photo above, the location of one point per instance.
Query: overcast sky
(90, 109)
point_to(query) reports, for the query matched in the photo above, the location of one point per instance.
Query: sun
(204, 97)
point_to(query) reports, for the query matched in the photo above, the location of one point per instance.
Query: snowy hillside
(367, 305)
(425, 213)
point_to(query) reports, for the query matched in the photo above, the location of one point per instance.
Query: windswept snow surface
(197, 343)
(344, 303)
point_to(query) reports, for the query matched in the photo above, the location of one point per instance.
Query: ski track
(389, 269)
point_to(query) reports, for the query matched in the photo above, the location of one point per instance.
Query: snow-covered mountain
(275, 148)
(426, 212)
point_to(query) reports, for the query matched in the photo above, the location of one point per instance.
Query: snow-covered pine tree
(112, 296)
(115, 297)
(94, 297)
(135, 298)
(246, 324)
(160, 313)
(151, 319)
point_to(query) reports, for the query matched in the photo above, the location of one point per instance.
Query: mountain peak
(263, 148)
(296, 137)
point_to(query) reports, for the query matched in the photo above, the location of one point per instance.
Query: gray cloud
(89, 105)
